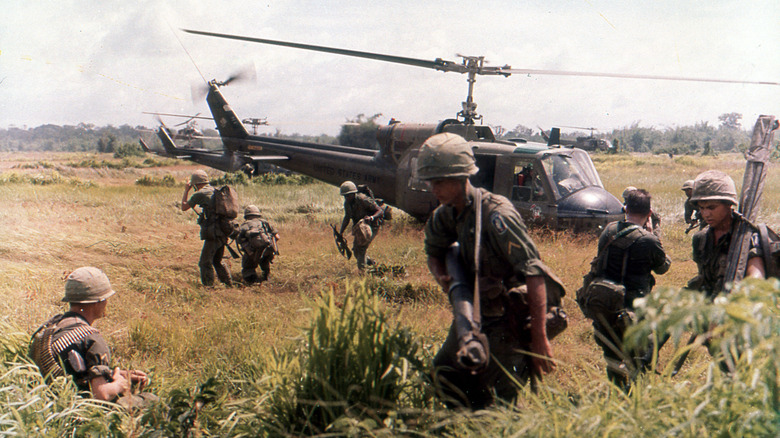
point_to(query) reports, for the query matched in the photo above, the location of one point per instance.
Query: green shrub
(152, 181)
(129, 150)
(356, 366)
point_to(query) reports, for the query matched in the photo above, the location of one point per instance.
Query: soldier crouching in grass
(499, 336)
(257, 239)
(67, 344)
(211, 256)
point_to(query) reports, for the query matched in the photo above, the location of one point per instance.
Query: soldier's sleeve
(508, 233)
(97, 357)
(198, 198)
(439, 234)
(660, 261)
(755, 246)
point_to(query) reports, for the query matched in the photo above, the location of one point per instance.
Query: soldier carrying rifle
(498, 288)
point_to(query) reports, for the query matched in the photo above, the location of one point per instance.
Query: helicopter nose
(591, 201)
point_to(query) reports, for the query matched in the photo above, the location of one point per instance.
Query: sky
(106, 62)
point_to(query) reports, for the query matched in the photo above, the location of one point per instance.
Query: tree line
(360, 131)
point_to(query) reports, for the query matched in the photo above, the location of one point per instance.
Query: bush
(129, 150)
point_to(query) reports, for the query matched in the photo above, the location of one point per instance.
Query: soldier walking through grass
(366, 216)
(257, 239)
(494, 325)
(715, 195)
(211, 256)
(621, 272)
(67, 344)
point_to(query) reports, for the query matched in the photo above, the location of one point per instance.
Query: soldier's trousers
(250, 262)
(622, 364)
(363, 234)
(458, 387)
(211, 260)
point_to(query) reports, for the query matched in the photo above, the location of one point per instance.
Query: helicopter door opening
(527, 185)
(487, 169)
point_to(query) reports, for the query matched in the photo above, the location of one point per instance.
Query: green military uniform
(711, 257)
(363, 232)
(507, 257)
(255, 237)
(77, 349)
(211, 256)
(632, 267)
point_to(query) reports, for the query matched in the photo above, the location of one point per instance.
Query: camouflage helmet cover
(199, 177)
(87, 285)
(714, 185)
(628, 190)
(347, 187)
(687, 185)
(446, 155)
(251, 211)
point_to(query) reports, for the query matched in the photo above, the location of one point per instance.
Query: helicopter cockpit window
(570, 173)
(527, 183)
(416, 183)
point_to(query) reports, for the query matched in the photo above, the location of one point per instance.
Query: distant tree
(730, 120)
(360, 132)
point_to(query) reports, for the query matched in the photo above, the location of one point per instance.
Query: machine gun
(341, 243)
(473, 352)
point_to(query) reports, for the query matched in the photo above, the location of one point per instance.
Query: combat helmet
(199, 177)
(251, 211)
(446, 155)
(347, 188)
(87, 285)
(687, 185)
(714, 185)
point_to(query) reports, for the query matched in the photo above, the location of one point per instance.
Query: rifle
(341, 243)
(473, 351)
(274, 245)
(752, 187)
(232, 252)
(692, 226)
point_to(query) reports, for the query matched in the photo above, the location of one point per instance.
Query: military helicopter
(589, 143)
(553, 186)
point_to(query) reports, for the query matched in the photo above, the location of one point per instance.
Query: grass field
(233, 361)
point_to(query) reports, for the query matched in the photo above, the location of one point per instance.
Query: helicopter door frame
(522, 180)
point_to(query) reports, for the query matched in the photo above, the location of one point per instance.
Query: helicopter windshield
(570, 172)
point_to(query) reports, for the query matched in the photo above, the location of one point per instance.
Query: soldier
(692, 216)
(211, 256)
(715, 194)
(257, 239)
(365, 215)
(67, 344)
(510, 272)
(654, 223)
(627, 255)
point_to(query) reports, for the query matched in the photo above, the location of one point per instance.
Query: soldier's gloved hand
(473, 354)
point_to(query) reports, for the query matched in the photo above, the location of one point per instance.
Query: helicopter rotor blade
(438, 64)
(196, 116)
(527, 71)
(468, 65)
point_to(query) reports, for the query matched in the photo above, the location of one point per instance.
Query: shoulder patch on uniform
(497, 220)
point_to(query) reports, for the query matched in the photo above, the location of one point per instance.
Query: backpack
(387, 213)
(256, 238)
(225, 201)
(224, 204)
(601, 299)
